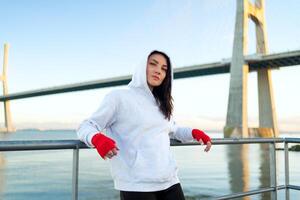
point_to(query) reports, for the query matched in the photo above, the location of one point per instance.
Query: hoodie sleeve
(183, 134)
(104, 117)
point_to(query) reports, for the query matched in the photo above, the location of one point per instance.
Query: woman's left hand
(201, 137)
(208, 146)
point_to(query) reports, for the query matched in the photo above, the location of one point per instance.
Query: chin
(156, 84)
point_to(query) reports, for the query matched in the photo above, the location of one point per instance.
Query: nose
(157, 71)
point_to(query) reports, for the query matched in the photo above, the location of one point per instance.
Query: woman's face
(156, 70)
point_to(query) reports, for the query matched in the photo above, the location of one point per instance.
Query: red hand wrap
(103, 144)
(198, 134)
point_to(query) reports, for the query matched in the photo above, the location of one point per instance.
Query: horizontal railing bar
(243, 194)
(221, 141)
(294, 187)
(249, 193)
(18, 145)
(292, 140)
(281, 187)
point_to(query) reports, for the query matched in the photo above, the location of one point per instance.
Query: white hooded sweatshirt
(132, 118)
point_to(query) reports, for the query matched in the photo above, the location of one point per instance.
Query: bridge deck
(255, 62)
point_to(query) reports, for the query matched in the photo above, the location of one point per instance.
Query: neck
(150, 87)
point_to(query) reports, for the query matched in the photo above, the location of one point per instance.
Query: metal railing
(76, 145)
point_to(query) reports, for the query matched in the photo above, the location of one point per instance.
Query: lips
(155, 77)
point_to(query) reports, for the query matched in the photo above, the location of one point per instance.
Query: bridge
(255, 62)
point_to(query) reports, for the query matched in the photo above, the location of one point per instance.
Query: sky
(61, 41)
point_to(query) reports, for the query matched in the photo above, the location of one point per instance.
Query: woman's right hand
(105, 146)
(111, 153)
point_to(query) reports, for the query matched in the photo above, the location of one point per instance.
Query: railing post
(273, 174)
(75, 173)
(286, 170)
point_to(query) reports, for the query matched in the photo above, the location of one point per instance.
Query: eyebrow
(158, 62)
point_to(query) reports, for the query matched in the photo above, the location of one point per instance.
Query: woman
(139, 125)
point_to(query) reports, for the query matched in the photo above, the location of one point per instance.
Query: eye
(152, 63)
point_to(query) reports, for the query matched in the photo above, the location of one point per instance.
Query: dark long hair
(162, 93)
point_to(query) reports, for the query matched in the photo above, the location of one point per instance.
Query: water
(48, 174)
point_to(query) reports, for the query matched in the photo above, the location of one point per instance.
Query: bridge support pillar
(7, 114)
(237, 119)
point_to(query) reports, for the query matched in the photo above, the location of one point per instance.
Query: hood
(139, 77)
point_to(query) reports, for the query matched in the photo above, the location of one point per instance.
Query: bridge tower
(237, 119)
(3, 78)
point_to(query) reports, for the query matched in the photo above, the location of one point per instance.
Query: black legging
(172, 193)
